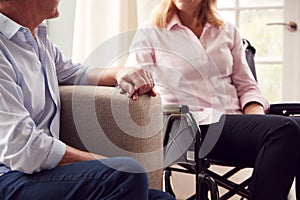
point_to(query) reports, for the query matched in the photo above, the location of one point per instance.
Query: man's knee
(124, 164)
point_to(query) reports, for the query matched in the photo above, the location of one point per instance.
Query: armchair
(100, 120)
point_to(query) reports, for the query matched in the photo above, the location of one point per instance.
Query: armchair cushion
(100, 120)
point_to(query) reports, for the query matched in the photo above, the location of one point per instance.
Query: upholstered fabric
(103, 121)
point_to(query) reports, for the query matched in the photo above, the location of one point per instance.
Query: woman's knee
(288, 129)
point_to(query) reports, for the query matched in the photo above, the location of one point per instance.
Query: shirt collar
(175, 21)
(9, 28)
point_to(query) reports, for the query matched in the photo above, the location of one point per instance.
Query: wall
(291, 70)
(61, 29)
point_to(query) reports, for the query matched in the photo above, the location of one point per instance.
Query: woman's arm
(247, 88)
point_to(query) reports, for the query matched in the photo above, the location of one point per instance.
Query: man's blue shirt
(31, 70)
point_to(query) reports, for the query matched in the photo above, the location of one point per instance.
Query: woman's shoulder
(146, 24)
(229, 26)
(230, 30)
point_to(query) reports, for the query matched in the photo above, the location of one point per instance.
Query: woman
(197, 59)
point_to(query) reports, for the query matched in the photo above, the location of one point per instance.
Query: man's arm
(73, 155)
(133, 81)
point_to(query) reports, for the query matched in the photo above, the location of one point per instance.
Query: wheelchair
(182, 144)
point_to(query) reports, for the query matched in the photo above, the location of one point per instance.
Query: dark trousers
(268, 143)
(107, 179)
(297, 119)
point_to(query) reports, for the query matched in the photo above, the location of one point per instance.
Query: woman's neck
(191, 21)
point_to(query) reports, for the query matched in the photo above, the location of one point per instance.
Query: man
(34, 163)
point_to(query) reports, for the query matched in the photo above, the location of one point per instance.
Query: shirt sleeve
(242, 77)
(23, 146)
(68, 72)
(141, 52)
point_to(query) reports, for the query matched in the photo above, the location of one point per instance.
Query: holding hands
(131, 80)
(135, 82)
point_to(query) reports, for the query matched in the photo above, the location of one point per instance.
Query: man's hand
(73, 155)
(135, 82)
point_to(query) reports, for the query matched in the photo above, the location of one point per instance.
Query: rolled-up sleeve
(24, 146)
(247, 87)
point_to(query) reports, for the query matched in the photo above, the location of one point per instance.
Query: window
(251, 17)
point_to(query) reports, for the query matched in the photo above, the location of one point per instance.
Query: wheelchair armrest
(175, 109)
(285, 109)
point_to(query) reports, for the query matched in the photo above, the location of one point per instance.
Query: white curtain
(98, 21)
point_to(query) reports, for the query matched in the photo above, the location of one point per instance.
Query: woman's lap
(269, 143)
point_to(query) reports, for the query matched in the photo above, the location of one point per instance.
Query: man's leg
(159, 195)
(114, 178)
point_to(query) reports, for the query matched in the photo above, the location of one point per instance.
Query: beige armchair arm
(100, 120)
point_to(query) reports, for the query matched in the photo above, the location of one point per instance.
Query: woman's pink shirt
(209, 74)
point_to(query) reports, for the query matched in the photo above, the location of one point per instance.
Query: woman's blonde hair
(163, 13)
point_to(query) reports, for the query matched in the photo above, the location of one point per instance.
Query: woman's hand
(131, 80)
(135, 82)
